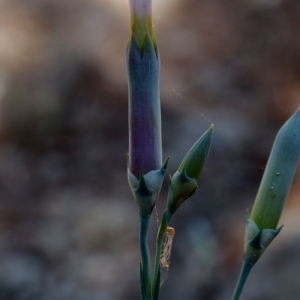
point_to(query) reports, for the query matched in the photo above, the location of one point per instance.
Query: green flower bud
(183, 184)
(278, 175)
(195, 159)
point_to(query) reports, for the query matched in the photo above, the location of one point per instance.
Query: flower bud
(195, 159)
(183, 184)
(278, 175)
(143, 69)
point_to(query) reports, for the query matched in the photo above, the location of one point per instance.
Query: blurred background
(68, 222)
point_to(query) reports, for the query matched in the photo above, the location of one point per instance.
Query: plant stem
(144, 225)
(159, 240)
(246, 268)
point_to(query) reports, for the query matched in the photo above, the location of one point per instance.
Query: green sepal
(149, 47)
(156, 289)
(146, 190)
(146, 47)
(141, 26)
(142, 283)
(133, 47)
(257, 240)
(181, 187)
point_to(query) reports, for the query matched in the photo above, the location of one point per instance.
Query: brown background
(68, 223)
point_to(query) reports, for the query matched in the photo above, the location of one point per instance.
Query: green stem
(246, 268)
(146, 269)
(159, 240)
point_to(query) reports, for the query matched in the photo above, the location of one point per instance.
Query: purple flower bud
(143, 68)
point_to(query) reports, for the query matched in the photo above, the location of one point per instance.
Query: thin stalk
(159, 241)
(144, 225)
(246, 268)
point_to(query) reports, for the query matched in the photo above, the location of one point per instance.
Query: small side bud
(195, 159)
(184, 182)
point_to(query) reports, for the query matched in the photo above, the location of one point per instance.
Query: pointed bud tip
(165, 165)
(279, 229)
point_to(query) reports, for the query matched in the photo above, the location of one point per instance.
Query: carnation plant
(146, 169)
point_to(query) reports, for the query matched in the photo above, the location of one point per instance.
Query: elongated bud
(278, 175)
(184, 182)
(272, 193)
(143, 69)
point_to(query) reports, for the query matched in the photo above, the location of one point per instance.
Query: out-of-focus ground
(68, 223)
